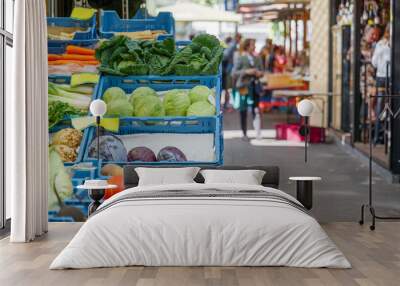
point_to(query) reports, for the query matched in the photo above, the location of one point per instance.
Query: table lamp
(98, 108)
(305, 109)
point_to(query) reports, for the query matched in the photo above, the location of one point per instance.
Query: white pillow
(248, 177)
(166, 176)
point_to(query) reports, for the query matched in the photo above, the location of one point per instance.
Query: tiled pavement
(344, 186)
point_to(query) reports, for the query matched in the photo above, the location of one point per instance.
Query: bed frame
(271, 177)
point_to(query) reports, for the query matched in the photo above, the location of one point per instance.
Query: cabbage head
(201, 108)
(176, 102)
(199, 93)
(114, 93)
(141, 91)
(149, 106)
(119, 107)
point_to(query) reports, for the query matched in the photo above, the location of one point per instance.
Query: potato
(112, 170)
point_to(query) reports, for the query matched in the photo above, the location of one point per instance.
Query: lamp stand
(306, 131)
(98, 137)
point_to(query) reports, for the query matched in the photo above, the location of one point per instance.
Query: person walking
(227, 65)
(265, 53)
(247, 70)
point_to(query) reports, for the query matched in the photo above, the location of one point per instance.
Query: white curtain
(27, 125)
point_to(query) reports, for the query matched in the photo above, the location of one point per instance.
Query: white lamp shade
(98, 107)
(305, 107)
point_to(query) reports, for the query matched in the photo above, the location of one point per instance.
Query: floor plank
(375, 257)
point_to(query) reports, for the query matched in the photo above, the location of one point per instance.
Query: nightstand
(96, 191)
(304, 190)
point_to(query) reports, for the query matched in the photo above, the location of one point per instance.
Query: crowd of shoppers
(242, 69)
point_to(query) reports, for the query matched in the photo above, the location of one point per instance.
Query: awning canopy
(270, 10)
(190, 12)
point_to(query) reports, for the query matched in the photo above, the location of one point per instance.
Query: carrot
(78, 57)
(76, 50)
(53, 57)
(65, 62)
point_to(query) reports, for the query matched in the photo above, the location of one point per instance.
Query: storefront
(358, 27)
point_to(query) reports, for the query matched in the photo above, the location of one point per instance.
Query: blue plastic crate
(161, 83)
(180, 125)
(85, 38)
(111, 23)
(173, 125)
(54, 218)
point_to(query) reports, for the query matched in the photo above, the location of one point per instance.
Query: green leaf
(132, 68)
(133, 46)
(117, 53)
(182, 57)
(213, 66)
(110, 71)
(206, 40)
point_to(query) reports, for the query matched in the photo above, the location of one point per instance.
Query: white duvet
(200, 231)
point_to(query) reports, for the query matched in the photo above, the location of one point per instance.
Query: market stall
(162, 99)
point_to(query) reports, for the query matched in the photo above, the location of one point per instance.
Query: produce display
(76, 59)
(113, 149)
(146, 102)
(66, 143)
(123, 56)
(65, 100)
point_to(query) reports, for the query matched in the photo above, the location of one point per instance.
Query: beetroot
(142, 154)
(171, 154)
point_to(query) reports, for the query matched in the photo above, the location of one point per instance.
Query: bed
(201, 224)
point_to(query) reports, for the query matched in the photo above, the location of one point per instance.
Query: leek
(83, 89)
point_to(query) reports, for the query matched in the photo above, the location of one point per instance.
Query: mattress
(201, 225)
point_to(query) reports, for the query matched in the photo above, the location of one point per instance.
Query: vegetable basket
(111, 23)
(199, 138)
(83, 38)
(161, 83)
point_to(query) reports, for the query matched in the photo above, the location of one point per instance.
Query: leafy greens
(123, 56)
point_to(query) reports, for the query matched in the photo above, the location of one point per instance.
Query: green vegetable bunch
(123, 56)
(57, 110)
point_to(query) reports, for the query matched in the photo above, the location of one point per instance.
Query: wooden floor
(375, 257)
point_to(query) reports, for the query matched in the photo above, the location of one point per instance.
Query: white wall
(319, 56)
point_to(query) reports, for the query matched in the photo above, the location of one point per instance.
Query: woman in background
(227, 65)
(247, 70)
(265, 53)
(280, 61)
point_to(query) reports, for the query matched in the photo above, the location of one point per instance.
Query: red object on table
(290, 132)
(114, 180)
